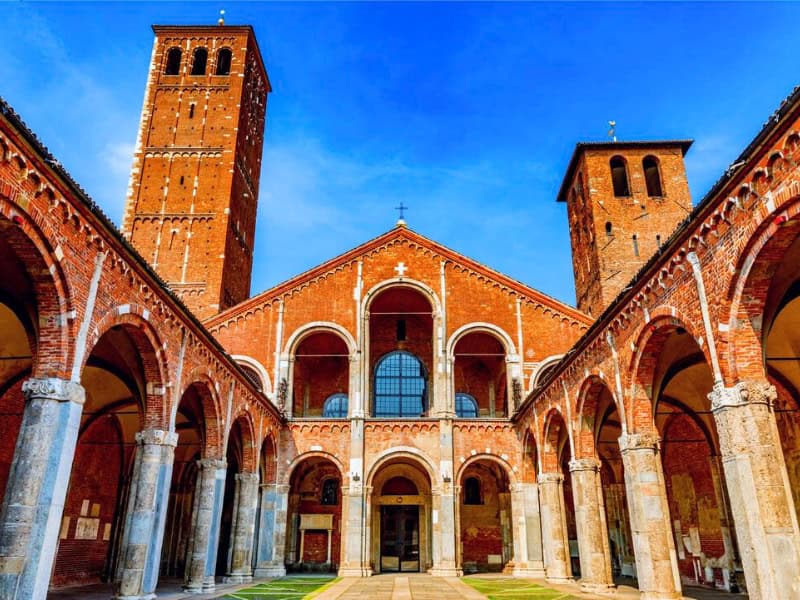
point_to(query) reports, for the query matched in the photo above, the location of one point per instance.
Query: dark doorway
(399, 539)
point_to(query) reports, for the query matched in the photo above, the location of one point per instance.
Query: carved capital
(741, 394)
(584, 464)
(212, 463)
(247, 477)
(638, 441)
(550, 478)
(156, 437)
(53, 388)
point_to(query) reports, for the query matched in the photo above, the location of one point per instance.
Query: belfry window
(173, 62)
(652, 177)
(635, 241)
(609, 229)
(401, 386)
(224, 62)
(335, 406)
(200, 60)
(466, 407)
(619, 177)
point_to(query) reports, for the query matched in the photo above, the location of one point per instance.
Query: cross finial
(612, 131)
(402, 208)
(221, 20)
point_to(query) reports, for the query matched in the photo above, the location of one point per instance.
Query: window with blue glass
(401, 386)
(466, 407)
(335, 406)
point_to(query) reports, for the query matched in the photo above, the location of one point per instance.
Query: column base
(354, 572)
(261, 572)
(238, 578)
(559, 579)
(140, 597)
(591, 587)
(445, 572)
(207, 586)
(531, 572)
(661, 596)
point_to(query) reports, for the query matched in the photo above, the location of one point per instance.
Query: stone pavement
(411, 586)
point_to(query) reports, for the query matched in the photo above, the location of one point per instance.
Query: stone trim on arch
(304, 331)
(544, 364)
(482, 327)
(286, 476)
(428, 291)
(266, 382)
(591, 386)
(212, 424)
(547, 453)
(250, 449)
(404, 451)
(510, 473)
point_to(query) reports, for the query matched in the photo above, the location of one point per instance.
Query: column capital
(638, 441)
(247, 477)
(584, 464)
(53, 388)
(550, 477)
(156, 437)
(212, 463)
(742, 393)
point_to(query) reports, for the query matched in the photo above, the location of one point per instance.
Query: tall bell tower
(193, 194)
(624, 199)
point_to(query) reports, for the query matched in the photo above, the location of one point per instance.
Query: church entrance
(399, 539)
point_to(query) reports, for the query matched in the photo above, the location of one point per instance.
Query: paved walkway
(413, 586)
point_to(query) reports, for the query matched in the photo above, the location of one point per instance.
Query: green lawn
(285, 588)
(508, 588)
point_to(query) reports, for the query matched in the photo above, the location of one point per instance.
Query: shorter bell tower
(192, 200)
(624, 199)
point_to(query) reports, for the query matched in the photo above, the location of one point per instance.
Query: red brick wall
(11, 407)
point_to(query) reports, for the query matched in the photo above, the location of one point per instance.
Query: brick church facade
(400, 407)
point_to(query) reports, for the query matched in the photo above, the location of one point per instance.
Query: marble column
(759, 489)
(526, 531)
(201, 557)
(243, 529)
(444, 509)
(554, 527)
(354, 558)
(653, 545)
(590, 521)
(144, 522)
(272, 535)
(30, 519)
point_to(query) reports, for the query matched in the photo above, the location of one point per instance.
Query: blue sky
(468, 113)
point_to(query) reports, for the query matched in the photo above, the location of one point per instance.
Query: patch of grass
(514, 589)
(284, 588)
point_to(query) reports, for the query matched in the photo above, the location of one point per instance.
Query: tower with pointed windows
(192, 199)
(624, 199)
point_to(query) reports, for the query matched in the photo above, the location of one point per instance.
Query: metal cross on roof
(402, 208)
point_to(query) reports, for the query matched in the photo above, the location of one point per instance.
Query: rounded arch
(509, 470)
(249, 361)
(249, 447)
(419, 286)
(755, 265)
(586, 415)
(31, 244)
(407, 452)
(555, 435)
(202, 382)
(650, 339)
(544, 366)
(309, 329)
(482, 327)
(268, 458)
(286, 476)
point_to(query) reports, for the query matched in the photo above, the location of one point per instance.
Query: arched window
(330, 493)
(200, 60)
(224, 62)
(335, 406)
(401, 386)
(619, 177)
(609, 229)
(472, 491)
(173, 62)
(635, 241)
(652, 177)
(466, 407)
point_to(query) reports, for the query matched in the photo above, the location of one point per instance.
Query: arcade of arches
(403, 408)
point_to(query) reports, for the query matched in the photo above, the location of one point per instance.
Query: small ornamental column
(201, 557)
(144, 523)
(759, 489)
(590, 521)
(37, 485)
(554, 528)
(653, 546)
(243, 529)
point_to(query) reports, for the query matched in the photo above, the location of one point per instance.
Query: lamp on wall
(355, 477)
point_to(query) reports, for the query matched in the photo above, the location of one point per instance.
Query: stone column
(759, 489)
(527, 531)
(144, 522)
(272, 536)
(554, 528)
(30, 519)
(590, 521)
(244, 525)
(653, 545)
(201, 557)
(444, 509)
(354, 558)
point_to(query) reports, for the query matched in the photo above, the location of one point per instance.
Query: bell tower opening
(623, 199)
